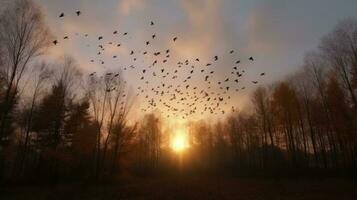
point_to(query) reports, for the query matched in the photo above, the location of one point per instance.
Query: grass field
(192, 188)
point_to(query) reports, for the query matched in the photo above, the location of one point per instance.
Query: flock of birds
(167, 85)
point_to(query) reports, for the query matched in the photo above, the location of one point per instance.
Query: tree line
(55, 123)
(307, 121)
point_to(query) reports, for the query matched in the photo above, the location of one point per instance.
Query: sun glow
(179, 142)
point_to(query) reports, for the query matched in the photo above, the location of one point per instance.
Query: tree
(342, 120)
(110, 105)
(39, 78)
(81, 130)
(305, 93)
(284, 105)
(23, 36)
(262, 107)
(114, 89)
(53, 113)
(123, 136)
(150, 141)
(340, 48)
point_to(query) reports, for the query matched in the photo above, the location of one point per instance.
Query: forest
(59, 125)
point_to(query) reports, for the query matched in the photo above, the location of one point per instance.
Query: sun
(179, 143)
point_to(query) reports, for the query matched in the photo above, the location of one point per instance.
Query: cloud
(200, 37)
(275, 32)
(204, 32)
(271, 27)
(128, 6)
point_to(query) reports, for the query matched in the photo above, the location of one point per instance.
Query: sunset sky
(277, 33)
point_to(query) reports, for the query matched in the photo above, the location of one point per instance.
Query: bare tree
(263, 112)
(304, 87)
(340, 48)
(110, 104)
(123, 134)
(39, 78)
(97, 94)
(115, 92)
(23, 36)
(150, 141)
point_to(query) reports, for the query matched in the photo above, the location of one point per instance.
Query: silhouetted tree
(39, 77)
(340, 48)
(53, 113)
(23, 36)
(83, 139)
(150, 141)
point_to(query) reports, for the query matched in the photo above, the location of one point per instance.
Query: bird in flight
(183, 90)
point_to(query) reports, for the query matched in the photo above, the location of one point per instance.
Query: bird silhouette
(176, 88)
(61, 15)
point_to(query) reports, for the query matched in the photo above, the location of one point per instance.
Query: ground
(193, 188)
